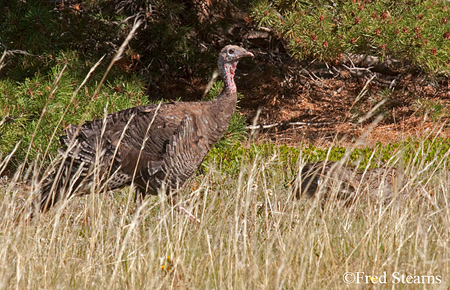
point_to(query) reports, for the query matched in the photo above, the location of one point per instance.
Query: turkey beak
(248, 53)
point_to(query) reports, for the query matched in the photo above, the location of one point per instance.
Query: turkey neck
(225, 104)
(227, 73)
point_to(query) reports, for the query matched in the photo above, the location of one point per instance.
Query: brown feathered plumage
(379, 185)
(328, 174)
(150, 146)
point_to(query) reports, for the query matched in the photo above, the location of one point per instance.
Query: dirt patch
(328, 104)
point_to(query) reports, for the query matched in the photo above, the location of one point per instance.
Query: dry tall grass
(252, 235)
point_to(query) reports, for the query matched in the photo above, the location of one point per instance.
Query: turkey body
(328, 174)
(153, 147)
(349, 184)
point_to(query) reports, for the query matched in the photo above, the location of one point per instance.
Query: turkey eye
(231, 51)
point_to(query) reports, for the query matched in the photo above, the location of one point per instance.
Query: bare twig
(2, 59)
(358, 68)
(5, 119)
(371, 112)
(11, 52)
(362, 93)
(255, 127)
(118, 54)
(210, 83)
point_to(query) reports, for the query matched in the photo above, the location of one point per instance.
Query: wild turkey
(326, 174)
(383, 184)
(154, 146)
(378, 185)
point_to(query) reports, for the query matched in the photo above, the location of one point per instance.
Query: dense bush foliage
(35, 111)
(41, 38)
(418, 31)
(173, 42)
(251, 234)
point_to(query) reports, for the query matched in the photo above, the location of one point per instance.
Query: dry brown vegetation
(252, 235)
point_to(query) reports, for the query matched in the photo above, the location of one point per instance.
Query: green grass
(410, 153)
(252, 234)
(36, 110)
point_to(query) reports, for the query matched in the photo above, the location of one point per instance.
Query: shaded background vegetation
(51, 45)
(174, 52)
(250, 226)
(413, 31)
